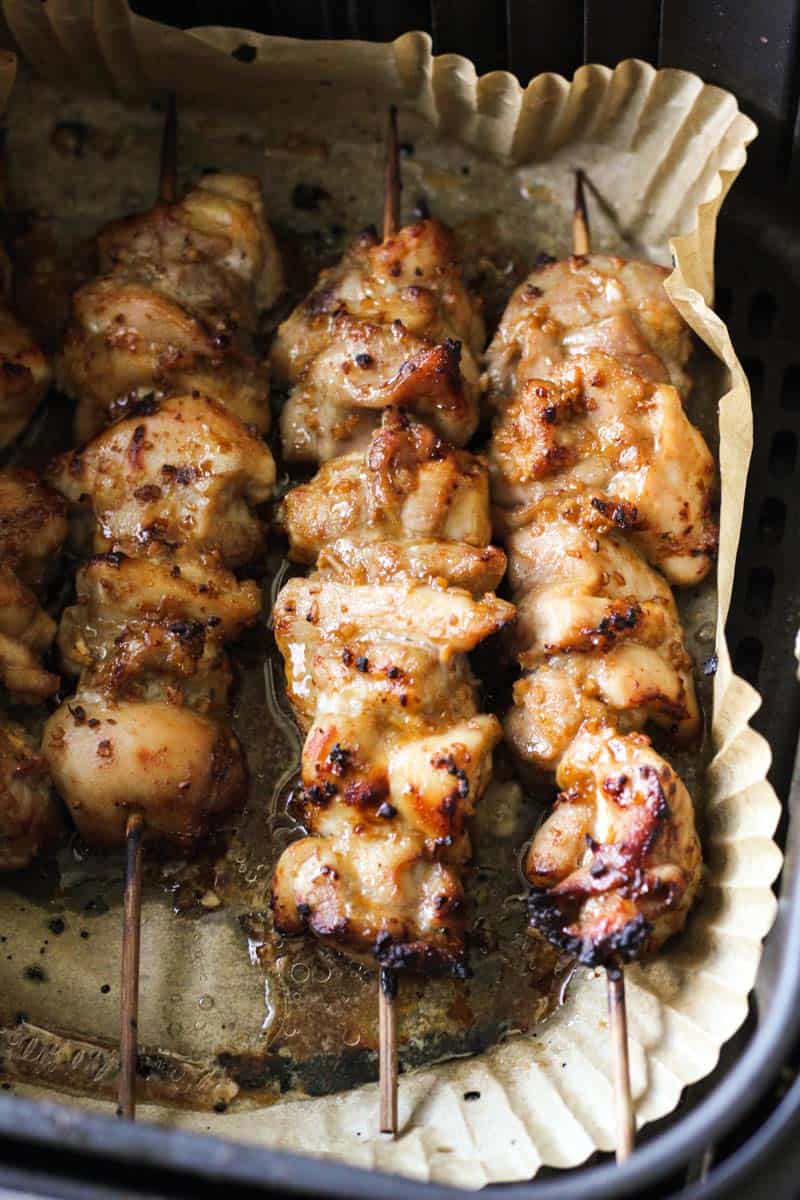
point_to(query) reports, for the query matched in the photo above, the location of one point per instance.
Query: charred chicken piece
(626, 447)
(397, 754)
(24, 376)
(586, 304)
(175, 307)
(32, 528)
(597, 633)
(615, 868)
(182, 471)
(29, 815)
(392, 325)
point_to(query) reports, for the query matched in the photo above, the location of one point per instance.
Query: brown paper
(661, 150)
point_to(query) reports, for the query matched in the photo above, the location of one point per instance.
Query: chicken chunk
(33, 527)
(179, 769)
(392, 324)
(175, 307)
(597, 633)
(182, 472)
(586, 304)
(409, 484)
(622, 444)
(616, 866)
(24, 376)
(29, 817)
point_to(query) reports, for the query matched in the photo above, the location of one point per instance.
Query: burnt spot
(148, 492)
(362, 664)
(624, 516)
(78, 713)
(448, 762)
(364, 360)
(146, 407)
(114, 558)
(338, 758)
(347, 657)
(105, 749)
(553, 916)
(387, 811)
(136, 445)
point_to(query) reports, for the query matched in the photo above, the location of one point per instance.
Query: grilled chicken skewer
(595, 464)
(167, 496)
(375, 641)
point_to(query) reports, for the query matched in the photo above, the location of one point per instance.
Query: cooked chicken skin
(393, 324)
(598, 634)
(595, 464)
(615, 306)
(615, 868)
(182, 471)
(175, 307)
(375, 641)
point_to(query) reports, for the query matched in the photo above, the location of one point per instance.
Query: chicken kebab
(604, 494)
(381, 358)
(164, 494)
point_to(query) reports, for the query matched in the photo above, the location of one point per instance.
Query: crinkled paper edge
(545, 1100)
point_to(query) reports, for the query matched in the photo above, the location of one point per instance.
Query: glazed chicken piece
(597, 633)
(32, 528)
(397, 754)
(411, 504)
(24, 376)
(393, 324)
(29, 815)
(622, 444)
(175, 307)
(616, 866)
(587, 303)
(179, 471)
(172, 492)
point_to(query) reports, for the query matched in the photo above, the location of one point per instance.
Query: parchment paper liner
(673, 146)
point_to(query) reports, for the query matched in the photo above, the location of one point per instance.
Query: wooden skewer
(392, 184)
(623, 1102)
(387, 1033)
(134, 829)
(581, 241)
(129, 991)
(387, 979)
(617, 1012)
(168, 178)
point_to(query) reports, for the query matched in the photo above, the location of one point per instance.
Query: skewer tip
(620, 1066)
(581, 239)
(387, 1054)
(392, 183)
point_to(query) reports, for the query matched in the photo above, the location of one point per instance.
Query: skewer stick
(581, 241)
(617, 1012)
(387, 1033)
(168, 179)
(129, 991)
(623, 1103)
(387, 980)
(392, 185)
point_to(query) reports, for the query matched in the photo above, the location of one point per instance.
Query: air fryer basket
(735, 1118)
